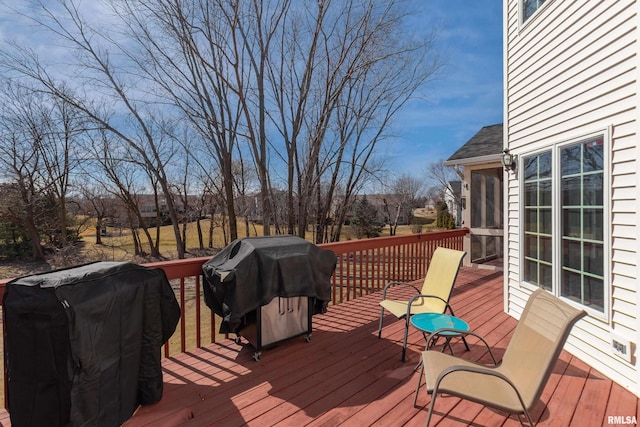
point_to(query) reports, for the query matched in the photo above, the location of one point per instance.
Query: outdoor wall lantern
(508, 160)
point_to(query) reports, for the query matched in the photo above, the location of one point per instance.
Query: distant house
(249, 206)
(453, 200)
(155, 211)
(151, 209)
(572, 203)
(481, 195)
(431, 203)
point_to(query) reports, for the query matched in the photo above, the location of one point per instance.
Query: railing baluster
(334, 282)
(183, 316)
(212, 324)
(361, 274)
(350, 257)
(379, 273)
(198, 320)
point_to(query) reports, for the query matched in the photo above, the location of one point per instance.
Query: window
(537, 220)
(529, 7)
(573, 221)
(582, 223)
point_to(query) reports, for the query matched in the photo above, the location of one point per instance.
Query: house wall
(452, 200)
(570, 71)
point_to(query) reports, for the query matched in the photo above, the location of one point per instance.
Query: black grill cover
(250, 272)
(82, 345)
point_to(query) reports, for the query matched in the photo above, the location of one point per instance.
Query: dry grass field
(117, 245)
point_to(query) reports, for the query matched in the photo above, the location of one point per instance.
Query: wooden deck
(347, 376)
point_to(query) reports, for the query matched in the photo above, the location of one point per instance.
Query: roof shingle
(487, 142)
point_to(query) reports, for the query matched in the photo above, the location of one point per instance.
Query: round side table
(428, 323)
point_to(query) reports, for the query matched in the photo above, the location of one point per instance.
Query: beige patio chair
(434, 295)
(515, 384)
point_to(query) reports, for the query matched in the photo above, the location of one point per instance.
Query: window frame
(523, 20)
(537, 208)
(556, 215)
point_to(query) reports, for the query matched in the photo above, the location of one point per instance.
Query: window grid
(564, 221)
(538, 227)
(582, 275)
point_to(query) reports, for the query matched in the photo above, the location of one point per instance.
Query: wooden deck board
(347, 376)
(593, 400)
(621, 403)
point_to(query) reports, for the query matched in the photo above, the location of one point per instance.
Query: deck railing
(364, 266)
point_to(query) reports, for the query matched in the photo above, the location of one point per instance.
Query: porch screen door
(487, 229)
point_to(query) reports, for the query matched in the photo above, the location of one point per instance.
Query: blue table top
(431, 322)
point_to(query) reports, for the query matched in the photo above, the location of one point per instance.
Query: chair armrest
(437, 333)
(477, 370)
(390, 284)
(415, 297)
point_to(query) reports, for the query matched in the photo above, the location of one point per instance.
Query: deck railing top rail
(387, 241)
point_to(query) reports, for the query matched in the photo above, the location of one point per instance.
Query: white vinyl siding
(570, 73)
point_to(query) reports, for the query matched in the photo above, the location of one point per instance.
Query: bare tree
(109, 163)
(100, 82)
(98, 204)
(342, 75)
(441, 176)
(307, 90)
(409, 186)
(23, 124)
(244, 179)
(407, 189)
(65, 127)
(184, 48)
(253, 27)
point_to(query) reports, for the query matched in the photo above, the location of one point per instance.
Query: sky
(466, 94)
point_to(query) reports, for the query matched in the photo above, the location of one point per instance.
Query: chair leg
(434, 394)
(465, 343)
(448, 344)
(415, 398)
(404, 342)
(380, 325)
(528, 416)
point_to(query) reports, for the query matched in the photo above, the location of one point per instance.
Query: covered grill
(82, 345)
(267, 288)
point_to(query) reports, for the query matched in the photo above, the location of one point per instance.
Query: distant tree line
(199, 105)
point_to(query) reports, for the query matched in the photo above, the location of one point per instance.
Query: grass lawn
(118, 244)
